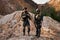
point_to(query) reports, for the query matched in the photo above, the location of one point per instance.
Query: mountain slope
(11, 28)
(9, 6)
(55, 4)
(27, 3)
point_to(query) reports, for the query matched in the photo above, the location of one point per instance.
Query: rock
(9, 6)
(55, 4)
(12, 28)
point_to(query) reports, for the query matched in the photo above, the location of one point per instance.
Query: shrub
(49, 12)
(33, 11)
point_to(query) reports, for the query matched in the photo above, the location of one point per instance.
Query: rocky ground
(11, 28)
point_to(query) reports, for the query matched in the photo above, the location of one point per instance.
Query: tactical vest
(25, 16)
(38, 18)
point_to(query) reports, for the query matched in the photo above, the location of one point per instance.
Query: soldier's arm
(29, 16)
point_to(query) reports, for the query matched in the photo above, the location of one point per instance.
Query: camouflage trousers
(26, 24)
(38, 30)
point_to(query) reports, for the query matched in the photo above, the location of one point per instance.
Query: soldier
(25, 17)
(38, 21)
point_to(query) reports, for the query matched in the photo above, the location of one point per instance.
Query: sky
(40, 1)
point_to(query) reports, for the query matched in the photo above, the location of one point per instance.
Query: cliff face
(9, 6)
(27, 3)
(55, 4)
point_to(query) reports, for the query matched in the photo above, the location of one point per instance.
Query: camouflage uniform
(38, 18)
(26, 17)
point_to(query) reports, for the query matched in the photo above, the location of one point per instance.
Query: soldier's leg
(28, 26)
(36, 31)
(24, 25)
(39, 31)
(28, 30)
(23, 30)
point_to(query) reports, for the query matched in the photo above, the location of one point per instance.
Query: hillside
(55, 4)
(27, 3)
(11, 28)
(9, 6)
